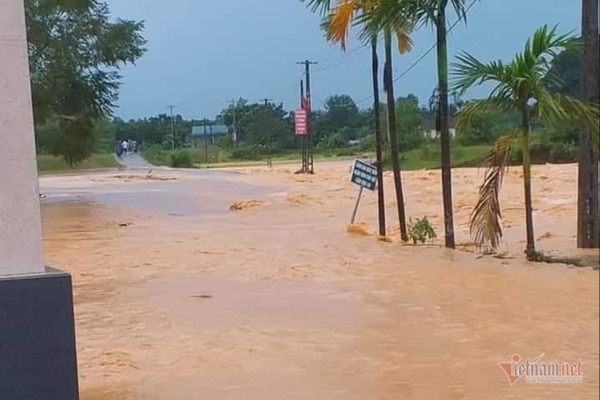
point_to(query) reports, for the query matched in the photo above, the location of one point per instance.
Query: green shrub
(421, 230)
(247, 153)
(561, 153)
(546, 152)
(181, 159)
(155, 155)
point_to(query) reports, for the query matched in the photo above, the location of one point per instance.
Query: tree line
(76, 52)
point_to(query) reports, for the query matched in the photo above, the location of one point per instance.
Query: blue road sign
(364, 174)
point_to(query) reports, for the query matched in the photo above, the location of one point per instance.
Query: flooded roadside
(277, 301)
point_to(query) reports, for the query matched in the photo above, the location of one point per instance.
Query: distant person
(135, 146)
(125, 147)
(118, 149)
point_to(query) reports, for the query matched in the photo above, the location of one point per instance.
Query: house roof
(210, 130)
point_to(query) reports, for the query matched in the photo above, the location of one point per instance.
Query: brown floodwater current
(179, 295)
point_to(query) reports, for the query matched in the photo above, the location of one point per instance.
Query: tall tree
(519, 86)
(388, 83)
(431, 12)
(75, 54)
(337, 25)
(588, 215)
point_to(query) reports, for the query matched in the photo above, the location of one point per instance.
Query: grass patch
(429, 157)
(48, 163)
(426, 157)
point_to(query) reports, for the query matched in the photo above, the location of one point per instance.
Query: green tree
(567, 67)
(75, 54)
(409, 127)
(342, 111)
(519, 86)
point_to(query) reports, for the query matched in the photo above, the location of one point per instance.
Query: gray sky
(203, 52)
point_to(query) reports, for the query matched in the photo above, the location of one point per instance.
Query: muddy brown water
(277, 301)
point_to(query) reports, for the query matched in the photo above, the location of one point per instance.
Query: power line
(348, 55)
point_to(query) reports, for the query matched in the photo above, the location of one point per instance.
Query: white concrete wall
(20, 221)
(433, 134)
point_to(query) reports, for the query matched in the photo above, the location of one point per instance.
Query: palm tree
(588, 229)
(431, 12)
(520, 86)
(401, 26)
(388, 84)
(337, 25)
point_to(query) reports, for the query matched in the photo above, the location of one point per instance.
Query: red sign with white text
(301, 122)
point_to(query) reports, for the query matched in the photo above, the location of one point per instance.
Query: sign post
(364, 175)
(301, 129)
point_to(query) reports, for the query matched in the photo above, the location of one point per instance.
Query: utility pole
(235, 133)
(307, 64)
(303, 139)
(588, 213)
(205, 141)
(268, 138)
(171, 107)
(266, 101)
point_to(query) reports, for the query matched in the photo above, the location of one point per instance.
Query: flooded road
(178, 298)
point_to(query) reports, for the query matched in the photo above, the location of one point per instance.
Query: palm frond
(340, 20)
(584, 114)
(378, 15)
(322, 7)
(469, 71)
(484, 222)
(405, 43)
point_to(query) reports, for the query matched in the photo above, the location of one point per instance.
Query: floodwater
(180, 296)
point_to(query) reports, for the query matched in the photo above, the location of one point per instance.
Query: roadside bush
(181, 159)
(155, 155)
(543, 153)
(246, 153)
(561, 153)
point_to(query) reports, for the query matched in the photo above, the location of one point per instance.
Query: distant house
(208, 133)
(430, 132)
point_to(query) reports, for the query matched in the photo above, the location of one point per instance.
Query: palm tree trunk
(442, 61)
(391, 114)
(530, 250)
(378, 137)
(588, 213)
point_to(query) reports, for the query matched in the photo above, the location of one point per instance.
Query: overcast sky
(203, 52)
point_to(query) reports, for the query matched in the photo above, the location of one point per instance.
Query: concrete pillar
(37, 331)
(20, 221)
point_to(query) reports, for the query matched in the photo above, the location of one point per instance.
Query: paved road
(134, 161)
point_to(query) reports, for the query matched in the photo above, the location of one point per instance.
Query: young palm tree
(431, 12)
(520, 86)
